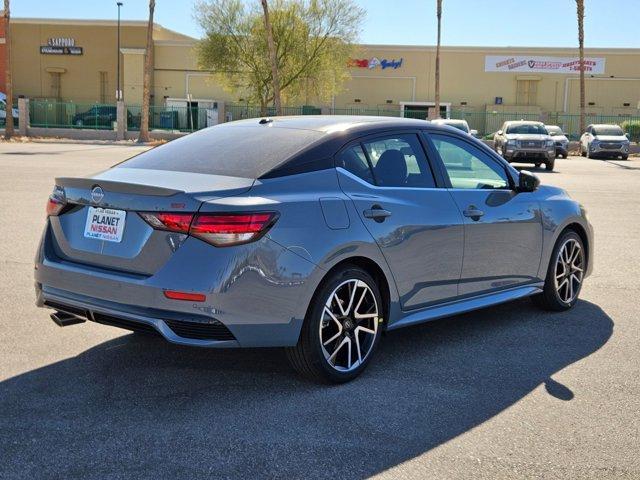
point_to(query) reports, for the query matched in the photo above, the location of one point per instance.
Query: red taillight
(190, 297)
(174, 222)
(231, 229)
(55, 206)
(219, 229)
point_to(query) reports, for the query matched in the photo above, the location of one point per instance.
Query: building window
(55, 84)
(104, 87)
(527, 92)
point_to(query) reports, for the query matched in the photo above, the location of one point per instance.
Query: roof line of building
(510, 48)
(451, 48)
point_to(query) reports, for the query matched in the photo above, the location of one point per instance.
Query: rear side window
(235, 151)
(355, 161)
(399, 161)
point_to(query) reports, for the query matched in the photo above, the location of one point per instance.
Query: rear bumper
(256, 294)
(192, 331)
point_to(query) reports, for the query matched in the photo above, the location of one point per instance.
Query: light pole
(118, 92)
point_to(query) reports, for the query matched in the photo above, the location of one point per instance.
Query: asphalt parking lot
(509, 392)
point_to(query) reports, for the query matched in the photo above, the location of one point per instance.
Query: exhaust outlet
(64, 319)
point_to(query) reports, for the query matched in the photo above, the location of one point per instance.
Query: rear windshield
(235, 151)
(612, 131)
(527, 128)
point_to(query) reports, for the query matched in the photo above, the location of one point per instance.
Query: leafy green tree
(314, 40)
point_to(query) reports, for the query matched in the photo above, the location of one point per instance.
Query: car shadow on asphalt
(137, 406)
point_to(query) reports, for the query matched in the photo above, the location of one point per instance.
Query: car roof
(335, 132)
(282, 145)
(604, 125)
(329, 123)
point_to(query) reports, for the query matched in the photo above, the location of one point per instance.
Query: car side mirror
(474, 133)
(552, 134)
(628, 136)
(527, 181)
(499, 132)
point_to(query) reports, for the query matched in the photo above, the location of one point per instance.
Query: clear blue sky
(608, 23)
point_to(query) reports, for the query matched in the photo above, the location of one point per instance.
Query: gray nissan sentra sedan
(312, 233)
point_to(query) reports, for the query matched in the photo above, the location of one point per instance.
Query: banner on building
(519, 63)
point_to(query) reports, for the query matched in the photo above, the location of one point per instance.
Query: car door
(503, 228)
(416, 225)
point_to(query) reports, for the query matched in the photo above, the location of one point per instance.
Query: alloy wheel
(349, 325)
(569, 270)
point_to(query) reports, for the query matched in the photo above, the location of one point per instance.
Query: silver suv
(526, 142)
(604, 141)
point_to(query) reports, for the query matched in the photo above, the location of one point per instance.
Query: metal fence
(173, 118)
(51, 113)
(240, 111)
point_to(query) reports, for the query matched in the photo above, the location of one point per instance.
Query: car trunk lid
(103, 229)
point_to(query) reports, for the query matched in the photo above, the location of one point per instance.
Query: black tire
(550, 299)
(625, 157)
(564, 156)
(549, 165)
(308, 357)
(537, 165)
(583, 153)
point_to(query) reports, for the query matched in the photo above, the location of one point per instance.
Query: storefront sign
(375, 62)
(60, 46)
(516, 63)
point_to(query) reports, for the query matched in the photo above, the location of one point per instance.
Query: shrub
(632, 127)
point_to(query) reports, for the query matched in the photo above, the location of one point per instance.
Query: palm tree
(8, 128)
(580, 9)
(273, 59)
(439, 16)
(146, 82)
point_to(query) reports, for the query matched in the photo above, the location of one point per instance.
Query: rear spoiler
(118, 187)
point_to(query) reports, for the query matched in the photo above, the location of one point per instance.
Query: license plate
(105, 224)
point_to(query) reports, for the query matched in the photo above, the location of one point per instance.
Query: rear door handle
(473, 213)
(377, 213)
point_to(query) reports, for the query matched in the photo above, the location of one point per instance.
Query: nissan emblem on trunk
(97, 194)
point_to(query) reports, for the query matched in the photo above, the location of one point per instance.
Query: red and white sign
(519, 63)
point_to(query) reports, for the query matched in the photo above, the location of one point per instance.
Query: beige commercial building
(76, 60)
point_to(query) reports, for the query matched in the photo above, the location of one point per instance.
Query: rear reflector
(219, 229)
(190, 297)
